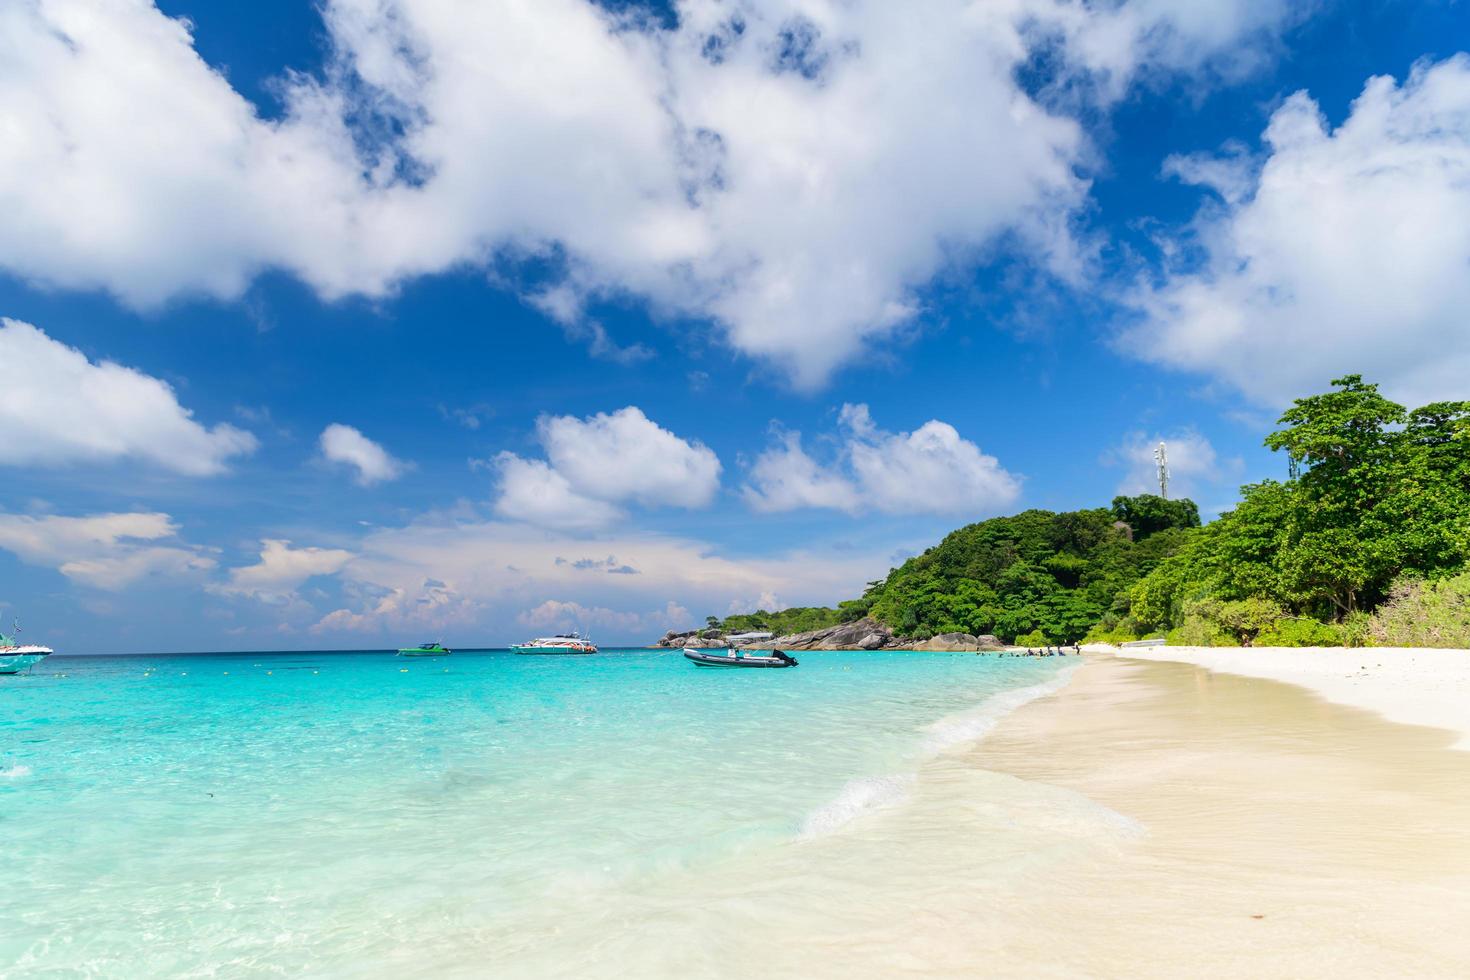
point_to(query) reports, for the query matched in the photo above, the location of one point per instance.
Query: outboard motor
(783, 655)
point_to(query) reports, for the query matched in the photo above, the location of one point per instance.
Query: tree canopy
(1376, 495)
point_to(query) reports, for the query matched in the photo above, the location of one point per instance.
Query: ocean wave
(860, 796)
(15, 772)
(867, 794)
(972, 725)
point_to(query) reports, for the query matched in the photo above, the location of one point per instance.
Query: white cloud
(624, 456)
(344, 444)
(784, 477)
(796, 180)
(57, 407)
(533, 492)
(602, 461)
(932, 470)
(282, 569)
(443, 574)
(1341, 251)
(1193, 463)
(564, 616)
(104, 551)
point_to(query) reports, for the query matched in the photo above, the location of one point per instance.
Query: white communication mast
(1161, 456)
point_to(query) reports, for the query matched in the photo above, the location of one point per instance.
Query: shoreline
(1143, 819)
(1408, 685)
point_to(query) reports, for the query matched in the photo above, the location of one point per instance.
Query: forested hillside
(1374, 517)
(1377, 505)
(1039, 574)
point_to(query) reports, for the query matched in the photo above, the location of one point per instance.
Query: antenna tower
(1161, 456)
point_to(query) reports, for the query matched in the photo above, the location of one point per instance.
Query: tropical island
(1365, 543)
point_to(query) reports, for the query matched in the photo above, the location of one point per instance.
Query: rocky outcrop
(862, 634)
(706, 639)
(956, 643)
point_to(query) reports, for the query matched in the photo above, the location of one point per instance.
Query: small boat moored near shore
(739, 658)
(425, 650)
(16, 658)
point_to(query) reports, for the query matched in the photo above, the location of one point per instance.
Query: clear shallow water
(258, 814)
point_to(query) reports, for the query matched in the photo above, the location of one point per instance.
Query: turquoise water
(260, 814)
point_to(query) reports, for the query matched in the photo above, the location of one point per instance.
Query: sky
(353, 323)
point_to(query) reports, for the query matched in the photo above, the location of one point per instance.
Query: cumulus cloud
(776, 167)
(531, 491)
(626, 456)
(58, 407)
(104, 551)
(1338, 251)
(282, 569)
(932, 470)
(344, 444)
(596, 464)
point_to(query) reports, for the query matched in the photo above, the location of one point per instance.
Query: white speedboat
(16, 658)
(566, 644)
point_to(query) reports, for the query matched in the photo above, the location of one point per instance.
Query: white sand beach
(1149, 819)
(1407, 685)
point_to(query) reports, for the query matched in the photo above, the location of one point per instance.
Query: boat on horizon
(17, 658)
(739, 658)
(425, 650)
(564, 644)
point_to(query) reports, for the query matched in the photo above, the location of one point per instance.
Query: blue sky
(346, 324)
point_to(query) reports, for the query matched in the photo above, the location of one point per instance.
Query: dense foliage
(798, 619)
(1422, 613)
(1376, 494)
(1374, 515)
(1036, 572)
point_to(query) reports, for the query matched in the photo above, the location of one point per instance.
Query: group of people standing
(1074, 650)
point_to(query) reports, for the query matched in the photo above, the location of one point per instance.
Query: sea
(358, 814)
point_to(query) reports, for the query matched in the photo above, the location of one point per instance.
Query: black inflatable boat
(705, 658)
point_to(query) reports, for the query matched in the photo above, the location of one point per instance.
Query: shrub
(1300, 633)
(1114, 635)
(1424, 614)
(1356, 629)
(1199, 632)
(920, 635)
(1035, 638)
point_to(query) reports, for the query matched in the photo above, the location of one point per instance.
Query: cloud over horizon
(932, 470)
(596, 465)
(58, 408)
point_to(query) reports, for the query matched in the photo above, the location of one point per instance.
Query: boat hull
(701, 659)
(551, 652)
(21, 661)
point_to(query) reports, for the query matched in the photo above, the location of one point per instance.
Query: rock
(988, 642)
(863, 634)
(950, 643)
(679, 638)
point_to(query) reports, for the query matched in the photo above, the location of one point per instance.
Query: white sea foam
(870, 793)
(860, 796)
(15, 772)
(970, 726)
